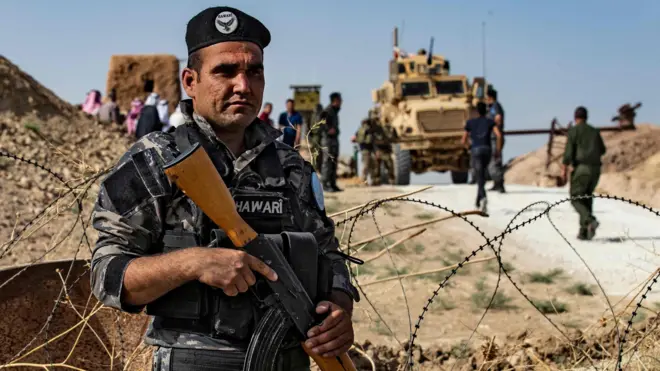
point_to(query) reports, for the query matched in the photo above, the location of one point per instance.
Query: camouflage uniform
(384, 135)
(139, 210)
(365, 140)
(315, 135)
(330, 144)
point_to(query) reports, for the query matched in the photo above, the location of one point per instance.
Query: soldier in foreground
(157, 250)
(583, 152)
(330, 143)
(365, 140)
(384, 136)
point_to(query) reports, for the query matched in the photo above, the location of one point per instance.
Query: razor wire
(371, 207)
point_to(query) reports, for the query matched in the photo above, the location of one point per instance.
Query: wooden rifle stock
(194, 173)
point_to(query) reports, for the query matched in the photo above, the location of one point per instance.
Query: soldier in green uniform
(364, 137)
(315, 138)
(583, 152)
(384, 136)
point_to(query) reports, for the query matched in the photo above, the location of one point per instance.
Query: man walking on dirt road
(480, 131)
(583, 152)
(495, 169)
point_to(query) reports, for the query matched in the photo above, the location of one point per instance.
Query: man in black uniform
(496, 169)
(157, 249)
(330, 143)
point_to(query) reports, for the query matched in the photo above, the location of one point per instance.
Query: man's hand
(231, 270)
(334, 336)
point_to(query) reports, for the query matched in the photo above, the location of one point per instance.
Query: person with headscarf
(92, 103)
(175, 120)
(149, 120)
(133, 116)
(109, 111)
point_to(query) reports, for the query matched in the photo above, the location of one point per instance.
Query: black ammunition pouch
(188, 301)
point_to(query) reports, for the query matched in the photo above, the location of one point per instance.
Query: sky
(544, 58)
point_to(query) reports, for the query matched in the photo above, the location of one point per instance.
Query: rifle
(194, 173)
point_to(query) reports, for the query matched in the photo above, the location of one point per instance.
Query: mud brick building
(134, 76)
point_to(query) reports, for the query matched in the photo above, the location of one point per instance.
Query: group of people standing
(143, 117)
(323, 138)
(374, 140)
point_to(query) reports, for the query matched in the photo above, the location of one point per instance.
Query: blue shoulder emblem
(317, 188)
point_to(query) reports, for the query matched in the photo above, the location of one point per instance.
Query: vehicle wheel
(459, 177)
(402, 165)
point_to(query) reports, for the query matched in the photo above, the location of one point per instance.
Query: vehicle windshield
(409, 89)
(450, 87)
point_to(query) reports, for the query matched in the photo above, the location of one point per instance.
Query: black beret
(221, 24)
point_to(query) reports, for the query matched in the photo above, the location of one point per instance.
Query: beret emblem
(226, 22)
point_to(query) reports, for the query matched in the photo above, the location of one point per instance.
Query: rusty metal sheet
(27, 301)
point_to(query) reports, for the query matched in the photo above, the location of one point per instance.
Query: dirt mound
(520, 351)
(624, 164)
(21, 94)
(129, 75)
(51, 133)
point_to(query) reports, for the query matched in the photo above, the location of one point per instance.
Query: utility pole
(483, 48)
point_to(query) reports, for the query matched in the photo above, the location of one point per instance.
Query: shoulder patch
(317, 189)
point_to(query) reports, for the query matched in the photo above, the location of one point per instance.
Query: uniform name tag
(259, 205)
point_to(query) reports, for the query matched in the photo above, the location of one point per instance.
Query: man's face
(490, 100)
(268, 109)
(289, 106)
(229, 88)
(337, 102)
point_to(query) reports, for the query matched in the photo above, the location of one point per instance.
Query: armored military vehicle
(428, 107)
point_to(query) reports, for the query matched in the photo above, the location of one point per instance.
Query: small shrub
(378, 327)
(390, 271)
(550, 306)
(547, 277)
(494, 267)
(32, 126)
(455, 257)
(481, 299)
(460, 351)
(440, 304)
(424, 216)
(580, 289)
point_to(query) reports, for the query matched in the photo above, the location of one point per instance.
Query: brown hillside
(21, 95)
(37, 125)
(631, 156)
